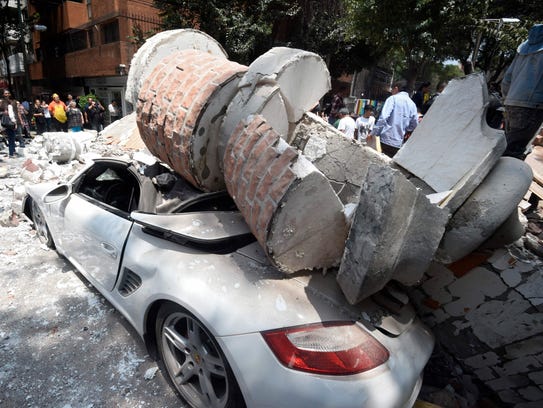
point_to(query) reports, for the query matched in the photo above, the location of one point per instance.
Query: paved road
(61, 343)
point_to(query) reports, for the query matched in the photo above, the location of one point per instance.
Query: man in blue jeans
(522, 88)
(8, 106)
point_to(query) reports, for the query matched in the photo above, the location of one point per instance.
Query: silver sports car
(227, 328)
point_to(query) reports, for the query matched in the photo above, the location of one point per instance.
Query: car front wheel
(41, 226)
(194, 362)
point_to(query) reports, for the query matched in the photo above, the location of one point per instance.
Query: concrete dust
(61, 343)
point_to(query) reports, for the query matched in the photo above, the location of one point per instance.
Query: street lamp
(501, 22)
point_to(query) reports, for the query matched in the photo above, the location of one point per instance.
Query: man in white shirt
(364, 124)
(398, 116)
(346, 123)
(113, 110)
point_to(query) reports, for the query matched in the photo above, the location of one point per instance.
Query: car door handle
(109, 249)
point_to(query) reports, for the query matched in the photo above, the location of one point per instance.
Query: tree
(320, 27)
(246, 29)
(499, 40)
(414, 33)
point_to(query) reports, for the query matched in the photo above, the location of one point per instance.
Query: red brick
(466, 264)
(431, 303)
(267, 210)
(280, 187)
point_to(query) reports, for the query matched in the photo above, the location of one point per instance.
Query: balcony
(72, 15)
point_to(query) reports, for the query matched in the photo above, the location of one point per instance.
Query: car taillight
(338, 348)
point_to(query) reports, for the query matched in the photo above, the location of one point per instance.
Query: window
(77, 41)
(92, 41)
(112, 185)
(110, 32)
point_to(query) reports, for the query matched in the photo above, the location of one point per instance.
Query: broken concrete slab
(279, 192)
(63, 147)
(453, 148)
(302, 77)
(394, 234)
(486, 209)
(513, 228)
(124, 132)
(160, 46)
(342, 160)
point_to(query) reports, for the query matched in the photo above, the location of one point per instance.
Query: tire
(193, 361)
(41, 226)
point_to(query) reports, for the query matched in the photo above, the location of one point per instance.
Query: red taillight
(338, 348)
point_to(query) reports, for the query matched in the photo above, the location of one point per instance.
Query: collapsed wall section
(289, 205)
(176, 120)
(394, 234)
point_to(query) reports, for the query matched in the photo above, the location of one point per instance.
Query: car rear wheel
(194, 362)
(41, 226)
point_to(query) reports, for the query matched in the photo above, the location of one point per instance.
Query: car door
(94, 238)
(95, 230)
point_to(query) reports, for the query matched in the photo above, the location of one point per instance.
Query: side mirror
(58, 193)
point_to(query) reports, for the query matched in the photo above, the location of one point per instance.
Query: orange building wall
(102, 59)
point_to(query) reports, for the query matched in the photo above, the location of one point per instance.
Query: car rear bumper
(266, 383)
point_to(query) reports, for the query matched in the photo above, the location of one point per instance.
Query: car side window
(114, 186)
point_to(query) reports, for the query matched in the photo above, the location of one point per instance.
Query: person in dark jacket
(8, 106)
(522, 88)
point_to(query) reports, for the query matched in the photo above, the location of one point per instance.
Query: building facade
(88, 46)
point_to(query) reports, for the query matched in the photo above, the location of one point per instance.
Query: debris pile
(220, 124)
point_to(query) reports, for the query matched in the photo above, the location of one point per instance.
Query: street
(61, 343)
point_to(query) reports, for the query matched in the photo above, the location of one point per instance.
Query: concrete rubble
(453, 148)
(437, 216)
(196, 112)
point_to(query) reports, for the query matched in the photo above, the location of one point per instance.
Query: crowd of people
(398, 117)
(521, 93)
(53, 115)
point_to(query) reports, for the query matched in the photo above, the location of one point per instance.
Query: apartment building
(88, 45)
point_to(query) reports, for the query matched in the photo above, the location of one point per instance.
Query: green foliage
(139, 36)
(244, 28)
(420, 32)
(83, 100)
(410, 38)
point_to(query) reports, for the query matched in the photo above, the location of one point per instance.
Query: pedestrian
(398, 116)
(75, 118)
(94, 114)
(113, 110)
(38, 116)
(439, 89)
(57, 108)
(522, 88)
(337, 105)
(364, 124)
(346, 123)
(22, 124)
(422, 95)
(46, 115)
(8, 109)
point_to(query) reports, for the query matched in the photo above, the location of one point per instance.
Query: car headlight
(338, 348)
